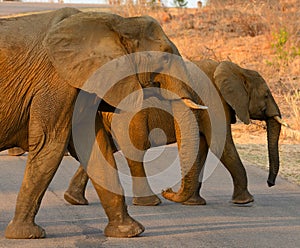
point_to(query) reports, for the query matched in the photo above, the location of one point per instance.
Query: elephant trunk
(187, 135)
(273, 132)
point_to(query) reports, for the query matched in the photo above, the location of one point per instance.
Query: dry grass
(260, 35)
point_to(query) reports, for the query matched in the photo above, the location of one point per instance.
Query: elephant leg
(143, 195)
(48, 134)
(196, 199)
(120, 224)
(134, 147)
(75, 194)
(104, 176)
(45, 155)
(231, 160)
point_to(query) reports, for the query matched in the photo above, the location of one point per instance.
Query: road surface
(273, 220)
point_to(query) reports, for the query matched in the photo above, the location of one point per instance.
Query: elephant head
(247, 93)
(84, 42)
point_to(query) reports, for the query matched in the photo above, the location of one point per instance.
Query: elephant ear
(230, 81)
(88, 52)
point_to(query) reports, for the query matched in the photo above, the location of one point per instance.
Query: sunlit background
(168, 3)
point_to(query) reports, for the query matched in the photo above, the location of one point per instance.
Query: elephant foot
(24, 231)
(75, 198)
(127, 229)
(195, 200)
(242, 198)
(15, 151)
(152, 200)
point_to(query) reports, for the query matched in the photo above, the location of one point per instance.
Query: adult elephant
(244, 93)
(42, 69)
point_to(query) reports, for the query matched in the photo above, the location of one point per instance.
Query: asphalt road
(273, 220)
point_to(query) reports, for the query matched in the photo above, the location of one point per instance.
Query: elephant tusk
(279, 120)
(193, 105)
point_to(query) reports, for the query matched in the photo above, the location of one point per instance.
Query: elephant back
(208, 66)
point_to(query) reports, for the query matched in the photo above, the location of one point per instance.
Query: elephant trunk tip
(271, 180)
(270, 184)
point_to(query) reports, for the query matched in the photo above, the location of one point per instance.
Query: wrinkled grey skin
(244, 93)
(42, 68)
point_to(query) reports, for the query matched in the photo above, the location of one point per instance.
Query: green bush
(283, 54)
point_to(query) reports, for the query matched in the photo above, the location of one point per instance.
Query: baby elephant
(244, 93)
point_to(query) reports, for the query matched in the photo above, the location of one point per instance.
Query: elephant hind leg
(102, 170)
(48, 134)
(41, 166)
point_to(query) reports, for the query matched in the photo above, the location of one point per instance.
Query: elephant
(244, 94)
(48, 69)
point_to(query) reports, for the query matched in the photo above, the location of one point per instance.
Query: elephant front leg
(231, 160)
(142, 192)
(196, 199)
(75, 194)
(102, 171)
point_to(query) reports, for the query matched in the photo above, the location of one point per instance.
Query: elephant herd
(88, 82)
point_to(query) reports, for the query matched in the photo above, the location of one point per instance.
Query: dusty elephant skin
(244, 93)
(42, 66)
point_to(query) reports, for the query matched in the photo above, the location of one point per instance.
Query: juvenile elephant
(42, 69)
(244, 93)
